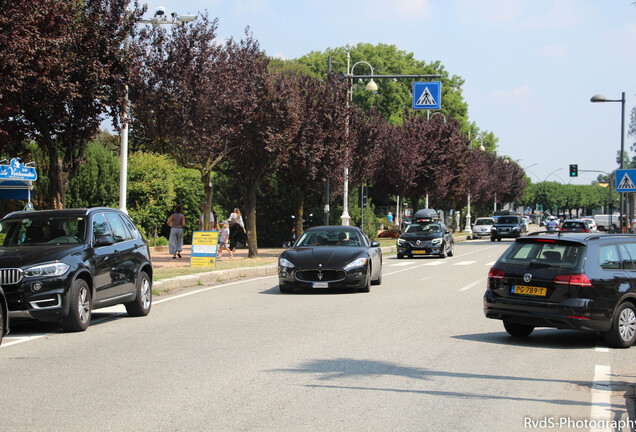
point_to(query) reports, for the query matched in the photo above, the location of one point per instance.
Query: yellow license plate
(529, 290)
(419, 252)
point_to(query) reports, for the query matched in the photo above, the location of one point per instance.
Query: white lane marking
(464, 263)
(434, 263)
(428, 277)
(602, 349)
(491, 263)
(402, 264)
(211, 288)
(8, 342)
(601, 396)
(469, 286)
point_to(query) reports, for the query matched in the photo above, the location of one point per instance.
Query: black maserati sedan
(331, 257)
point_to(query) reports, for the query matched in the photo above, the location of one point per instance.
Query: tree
(392, 95)
(63, 68)
(257, 147)
(190, 94)
(318, 145)
(97, 180)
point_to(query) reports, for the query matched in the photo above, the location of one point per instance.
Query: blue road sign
(626, 180)
(427, 95)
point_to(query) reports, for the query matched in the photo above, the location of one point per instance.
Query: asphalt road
(414, 354)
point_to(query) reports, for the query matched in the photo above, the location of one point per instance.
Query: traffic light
(574, 170)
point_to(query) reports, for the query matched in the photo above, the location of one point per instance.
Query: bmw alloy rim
(145, 293)
(627, 324)
(83, 306)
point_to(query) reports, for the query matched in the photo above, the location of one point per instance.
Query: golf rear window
(542, 253)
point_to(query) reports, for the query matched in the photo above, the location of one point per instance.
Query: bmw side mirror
(104, 240)
(375, 243)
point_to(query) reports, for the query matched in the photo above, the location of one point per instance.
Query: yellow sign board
(204, 248)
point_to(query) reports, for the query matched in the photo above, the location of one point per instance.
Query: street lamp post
(602, 98)
(158, 19)
(371, 86)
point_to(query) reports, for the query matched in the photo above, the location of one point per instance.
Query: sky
(530, 66)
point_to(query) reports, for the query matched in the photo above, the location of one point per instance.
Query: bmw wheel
(451, 252)
(622, 334)
(79, 314)
(143, 302)
(442, 253)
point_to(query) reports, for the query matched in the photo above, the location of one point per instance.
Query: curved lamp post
(602, 98)
(373, 87)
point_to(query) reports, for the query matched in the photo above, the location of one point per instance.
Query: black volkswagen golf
(59, 265)
(566, 281)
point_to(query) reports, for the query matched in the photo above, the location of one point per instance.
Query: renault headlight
(360, 262)
(285, 263)
(437, 242)
(52, 269)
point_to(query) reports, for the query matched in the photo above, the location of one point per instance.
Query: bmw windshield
(41, 230)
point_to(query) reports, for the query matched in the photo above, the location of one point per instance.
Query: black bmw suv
(567, 281)
(59, 265)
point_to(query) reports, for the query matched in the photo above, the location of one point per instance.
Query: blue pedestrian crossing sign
(626, 180)
(427, 95)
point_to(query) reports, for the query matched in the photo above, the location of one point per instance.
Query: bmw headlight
(437, 242)
(357, 263)
(52, 269)
(285, 263)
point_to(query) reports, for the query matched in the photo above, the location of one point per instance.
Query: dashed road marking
(469, 286)
(601, 395)
(464, 263)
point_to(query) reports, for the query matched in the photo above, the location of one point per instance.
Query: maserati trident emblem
(527, 277)
(319, 274)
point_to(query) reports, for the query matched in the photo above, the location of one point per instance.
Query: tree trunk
(250, 223)
(207, 203)
(300, 210)
(57, 187)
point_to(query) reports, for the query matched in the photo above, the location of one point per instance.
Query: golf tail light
(579, 279)
(495, 273)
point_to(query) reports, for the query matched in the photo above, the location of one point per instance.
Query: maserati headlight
(357, 263)
(437, 241)
(285, 263)
(52, 269)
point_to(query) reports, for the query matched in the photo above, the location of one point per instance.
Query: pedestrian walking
(176, 222)
(223, 239)
(236, 227)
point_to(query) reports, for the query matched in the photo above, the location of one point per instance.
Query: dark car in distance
(507, 226)
(575, 225)
(328, 257)
(59, 265)
(426, 235)
(566, 281)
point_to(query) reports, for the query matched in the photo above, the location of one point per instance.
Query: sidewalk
(161, 258)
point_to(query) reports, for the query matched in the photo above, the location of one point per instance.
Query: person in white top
(236, 226)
